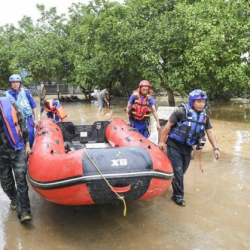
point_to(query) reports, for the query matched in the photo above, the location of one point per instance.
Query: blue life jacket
(10, 123)
(191, 129)
(22, 102)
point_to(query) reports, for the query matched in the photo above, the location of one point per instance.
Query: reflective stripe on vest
(140, 108)
(191, 129)
(10, 123)
(22, 102)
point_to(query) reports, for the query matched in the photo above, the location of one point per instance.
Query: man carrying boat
(14, 148)
(185, 128)
(25, 102)
(54, 109)
(140, 106)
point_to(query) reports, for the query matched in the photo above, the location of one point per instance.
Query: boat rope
(200, 160)
(119, 196)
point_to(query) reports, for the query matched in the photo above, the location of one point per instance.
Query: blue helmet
(195, 95)
(15, 78)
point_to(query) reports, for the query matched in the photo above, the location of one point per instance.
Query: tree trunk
(110, 86)
(84, 92)
(58, 90)
(89, 97)
(44, 76)
(171, 100)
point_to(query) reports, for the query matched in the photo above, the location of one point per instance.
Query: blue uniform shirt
(151, 100)
(14, 94)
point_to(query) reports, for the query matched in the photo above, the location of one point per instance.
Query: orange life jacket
(57, 109)
(11, 126)
(140, 109)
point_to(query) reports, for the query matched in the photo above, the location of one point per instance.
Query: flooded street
(217, 214)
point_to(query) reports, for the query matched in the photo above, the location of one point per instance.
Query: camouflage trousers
(16, 189)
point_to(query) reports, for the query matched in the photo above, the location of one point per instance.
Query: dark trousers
(16, 161)
(180, 163)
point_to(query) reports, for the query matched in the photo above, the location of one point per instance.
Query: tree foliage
(7, 34)
(177, 45)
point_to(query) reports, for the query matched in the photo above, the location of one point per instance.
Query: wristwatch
(216, 149)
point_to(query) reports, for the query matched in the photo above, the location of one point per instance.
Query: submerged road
(216, 215)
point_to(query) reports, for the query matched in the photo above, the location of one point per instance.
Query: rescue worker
(14, 148)
(25, 102)
(103, 100)
(139, 108)
(185, 128)
(53, 107)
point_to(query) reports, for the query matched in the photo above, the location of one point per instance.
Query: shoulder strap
(186, 107)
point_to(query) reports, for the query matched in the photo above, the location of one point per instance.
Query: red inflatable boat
(69, 163)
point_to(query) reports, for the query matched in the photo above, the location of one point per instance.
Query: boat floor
(78, 145)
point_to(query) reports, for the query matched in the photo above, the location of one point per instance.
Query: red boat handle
(121, 189)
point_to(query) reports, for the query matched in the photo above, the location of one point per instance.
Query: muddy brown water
(217, 214)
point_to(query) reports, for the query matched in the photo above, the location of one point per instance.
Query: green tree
(218, 38)
(99, 47)
(7, 34)
(40, 49)
(178, 45)
(185, 45)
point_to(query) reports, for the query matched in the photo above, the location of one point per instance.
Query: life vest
(191, 129)
(10, 123)
(22, 102)
(140, 109)
(56, 107)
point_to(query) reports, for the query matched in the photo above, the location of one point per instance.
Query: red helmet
(144, 83)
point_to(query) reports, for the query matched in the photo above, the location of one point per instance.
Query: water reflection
(242, 136)
(238, 110)
(85, 113)
(218, 201)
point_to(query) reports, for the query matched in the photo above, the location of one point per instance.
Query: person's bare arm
(35, 117)
(164, 134)
(212, 138)
(127, 109)
(106, 100)
(156, 117)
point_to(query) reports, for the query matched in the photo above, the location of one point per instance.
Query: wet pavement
(217, 214)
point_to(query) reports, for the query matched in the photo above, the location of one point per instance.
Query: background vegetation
(176, 45)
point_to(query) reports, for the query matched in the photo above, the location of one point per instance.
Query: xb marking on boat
(119, 162)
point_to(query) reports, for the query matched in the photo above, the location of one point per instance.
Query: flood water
(217, 214)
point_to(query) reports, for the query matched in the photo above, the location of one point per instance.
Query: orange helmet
(144, 83)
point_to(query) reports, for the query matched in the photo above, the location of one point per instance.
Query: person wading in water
(185, 128)
(103, 100)
(139, 108)
(14, 149)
